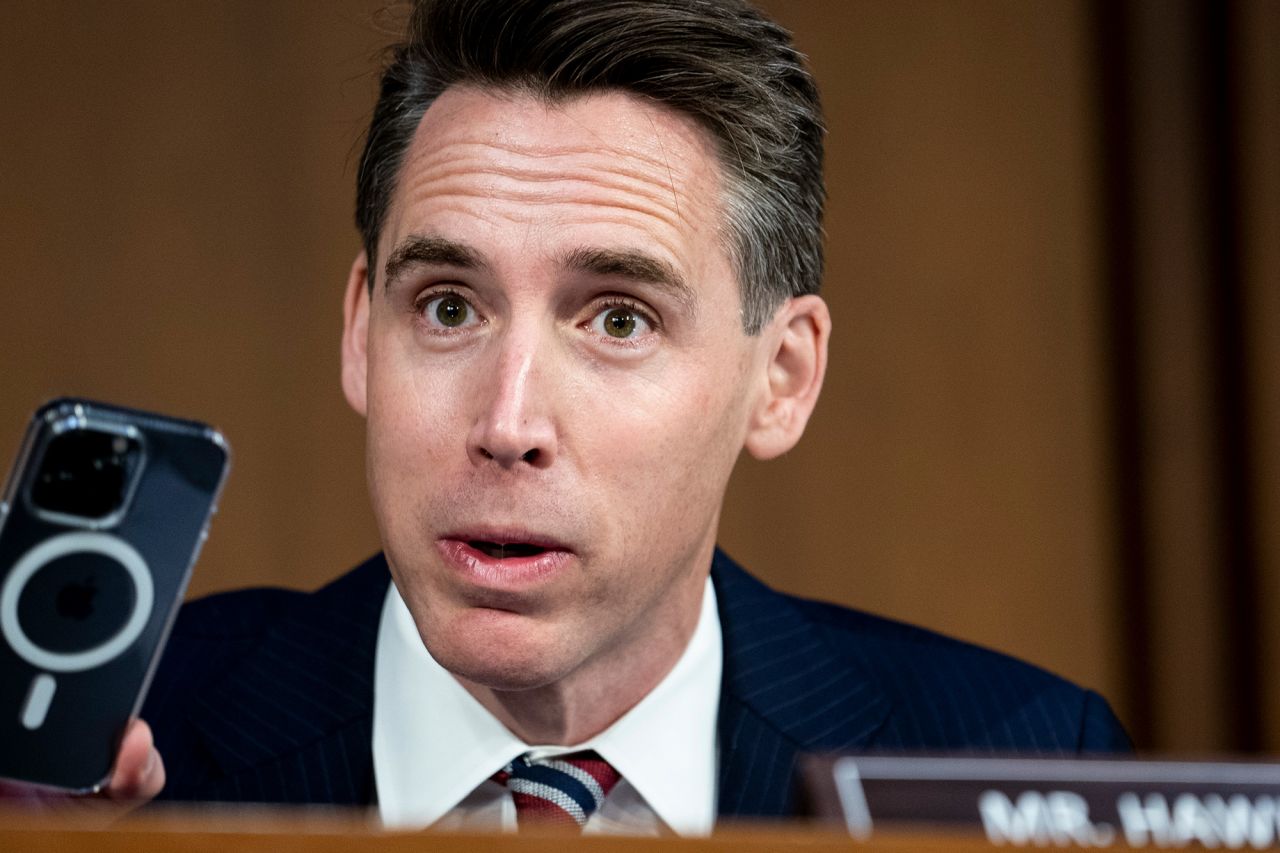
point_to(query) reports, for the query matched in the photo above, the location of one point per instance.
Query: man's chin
(509, 658)
(501, 672)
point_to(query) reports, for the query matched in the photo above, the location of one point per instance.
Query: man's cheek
(407, 423)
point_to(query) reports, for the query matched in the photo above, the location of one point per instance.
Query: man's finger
(138, 777)
(139, 772)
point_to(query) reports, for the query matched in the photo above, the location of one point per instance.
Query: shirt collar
(433, 743)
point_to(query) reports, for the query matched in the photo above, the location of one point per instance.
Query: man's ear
(355, 335)
(797, 360)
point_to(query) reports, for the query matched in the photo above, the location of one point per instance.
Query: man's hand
(138, 777)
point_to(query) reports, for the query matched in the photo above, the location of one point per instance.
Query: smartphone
(102, 519)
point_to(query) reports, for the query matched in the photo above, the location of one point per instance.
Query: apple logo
(75, 599)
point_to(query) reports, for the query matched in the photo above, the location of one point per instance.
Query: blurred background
(1052, 418)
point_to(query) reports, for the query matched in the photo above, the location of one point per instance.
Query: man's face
(557, 383)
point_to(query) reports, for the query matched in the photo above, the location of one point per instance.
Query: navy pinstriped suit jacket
(267, 695)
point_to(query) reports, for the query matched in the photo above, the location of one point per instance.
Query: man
(592, 248)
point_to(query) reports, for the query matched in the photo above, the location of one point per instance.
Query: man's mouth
(503, 550)
(512, 559)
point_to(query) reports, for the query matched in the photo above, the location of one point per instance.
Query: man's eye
(448, 310)
(621, 322)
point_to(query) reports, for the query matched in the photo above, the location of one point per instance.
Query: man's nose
(514, 425)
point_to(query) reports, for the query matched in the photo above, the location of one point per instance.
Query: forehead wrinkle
(609, 212)
(608, 168)
(615, 155)
(691, 134)
(582, 188)
(607, 172)
(665, 162)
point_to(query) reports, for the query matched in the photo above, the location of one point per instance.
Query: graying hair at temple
(719, 62)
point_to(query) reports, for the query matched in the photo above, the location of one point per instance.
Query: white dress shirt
(435, 746)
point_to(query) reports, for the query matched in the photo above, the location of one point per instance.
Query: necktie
(564, 790)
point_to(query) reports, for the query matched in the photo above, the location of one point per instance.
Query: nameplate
(1054, 802)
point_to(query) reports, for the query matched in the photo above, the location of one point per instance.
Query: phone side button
(204, 536)
(39, 698)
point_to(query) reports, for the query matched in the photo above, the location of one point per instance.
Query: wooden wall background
(1051, 421)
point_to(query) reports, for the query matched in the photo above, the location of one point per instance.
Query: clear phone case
(102, 520)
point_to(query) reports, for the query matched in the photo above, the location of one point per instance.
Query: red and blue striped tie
(563, 790)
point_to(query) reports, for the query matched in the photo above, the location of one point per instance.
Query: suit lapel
(292, 721)
(784, 692)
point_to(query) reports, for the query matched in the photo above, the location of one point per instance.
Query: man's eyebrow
(635, 266)
(430, 249)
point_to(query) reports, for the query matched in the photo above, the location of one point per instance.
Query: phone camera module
(86, 473)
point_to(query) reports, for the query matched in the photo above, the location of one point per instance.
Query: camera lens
(85, 473)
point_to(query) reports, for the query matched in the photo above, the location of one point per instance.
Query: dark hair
(719, 62)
